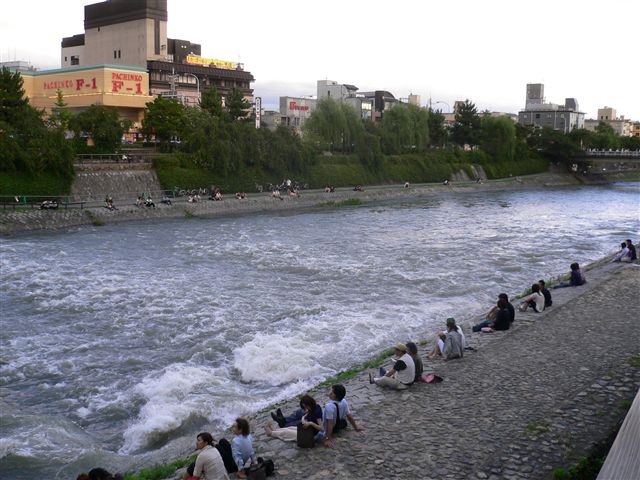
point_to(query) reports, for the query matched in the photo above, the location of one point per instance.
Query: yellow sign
(208, 62)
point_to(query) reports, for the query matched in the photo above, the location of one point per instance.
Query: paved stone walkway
(526, 401)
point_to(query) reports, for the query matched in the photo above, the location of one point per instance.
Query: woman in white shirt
(535, 300)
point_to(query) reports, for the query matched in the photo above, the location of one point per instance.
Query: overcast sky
(484, 50)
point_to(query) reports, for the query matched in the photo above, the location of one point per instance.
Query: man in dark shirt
(547, 294)
(633, 256)
(503, 319)
(493, 313)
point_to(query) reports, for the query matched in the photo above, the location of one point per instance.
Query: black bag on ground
(306, 437)
(224, 447)
(256, 472)
(269, 467)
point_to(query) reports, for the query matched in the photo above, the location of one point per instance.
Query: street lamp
(440, 101)
(197, 83)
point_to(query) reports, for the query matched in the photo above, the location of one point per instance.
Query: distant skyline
(484, 51)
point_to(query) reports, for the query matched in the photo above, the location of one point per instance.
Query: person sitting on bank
(336, 411)
(632, 256)
(545, 293)
(242, 447)
(491, 315)
(440, 343)
(402, 374)
(209, 463)
(417, 361)
(535, 300)
(503, 318)
(311, 418)
(165, 199)
(623, 253)
(577, 277)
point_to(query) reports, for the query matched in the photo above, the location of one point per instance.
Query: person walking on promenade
(401, 375)
(336, 414)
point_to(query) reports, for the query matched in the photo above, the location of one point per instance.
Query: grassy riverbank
(348, 170)
(26, 184)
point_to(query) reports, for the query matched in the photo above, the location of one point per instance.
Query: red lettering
(93, 83)
(79, 83)
(139, 88)
(117, 85)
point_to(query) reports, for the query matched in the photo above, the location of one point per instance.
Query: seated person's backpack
(341, 423)
(224, 447)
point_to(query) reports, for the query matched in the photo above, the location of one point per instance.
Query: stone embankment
(17, 221)
(524, 402)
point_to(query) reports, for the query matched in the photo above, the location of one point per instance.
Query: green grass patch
(160, 472)
(537, 427)
(352, 372)
(625, 404)
(349, 202)
(96, 221)
(635, 361)
(26, 184)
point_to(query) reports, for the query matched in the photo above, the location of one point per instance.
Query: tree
(498, 137)
(605, 137)
(60, 114)
(333, 126)
(26, 142)
(211, 102)
(437, 130)
(467, 128)
(103, 125)
(237, 105)
(164, 118)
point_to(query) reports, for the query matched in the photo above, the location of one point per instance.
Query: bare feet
(268, 428)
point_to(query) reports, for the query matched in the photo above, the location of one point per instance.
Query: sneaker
(371, 379)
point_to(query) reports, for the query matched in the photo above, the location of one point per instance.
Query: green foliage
(164, 118)
(405, 128)
(60, 114)
(160, 472)
(352, 372)
(103, 125)
(334, 126)
(211, 102)
(237, 105)
(44, 184)
(467, 128)
(27, 142)
(437, 132)
(498, 138)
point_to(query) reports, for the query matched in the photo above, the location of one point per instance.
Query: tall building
(345, 93)
(609, 116)
(133, 33)
(557, 117)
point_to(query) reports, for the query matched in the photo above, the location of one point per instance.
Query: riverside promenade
(15, 221)
(525, 402)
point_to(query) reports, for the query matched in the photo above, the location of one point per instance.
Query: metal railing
(613, 153)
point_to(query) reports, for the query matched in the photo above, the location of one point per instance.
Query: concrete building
(295, 111)
(558, 117)
(608, 115)
(133, 33)
(124, 88)
(414, 100)
(347, 94)
(381, 101)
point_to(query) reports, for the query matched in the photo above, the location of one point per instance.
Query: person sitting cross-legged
(401, 375)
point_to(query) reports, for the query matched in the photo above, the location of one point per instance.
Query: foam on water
(277, 360)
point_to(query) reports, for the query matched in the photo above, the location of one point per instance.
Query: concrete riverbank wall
(123, 182)
(14, 221)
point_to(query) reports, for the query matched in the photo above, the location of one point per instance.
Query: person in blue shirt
(242, 447)
(336, 413)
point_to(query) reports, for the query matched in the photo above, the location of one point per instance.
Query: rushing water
(119, 343)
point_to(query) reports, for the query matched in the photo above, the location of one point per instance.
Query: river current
(119, 343)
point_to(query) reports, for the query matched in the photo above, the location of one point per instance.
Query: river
(120, 343)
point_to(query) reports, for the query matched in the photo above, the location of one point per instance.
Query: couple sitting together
(311, 416)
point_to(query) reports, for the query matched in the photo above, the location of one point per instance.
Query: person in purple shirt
(577, 277)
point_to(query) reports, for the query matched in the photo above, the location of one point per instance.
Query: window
(115, 54)
(118, 53)
(75, 60)
(65, 59)
(537, 115)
